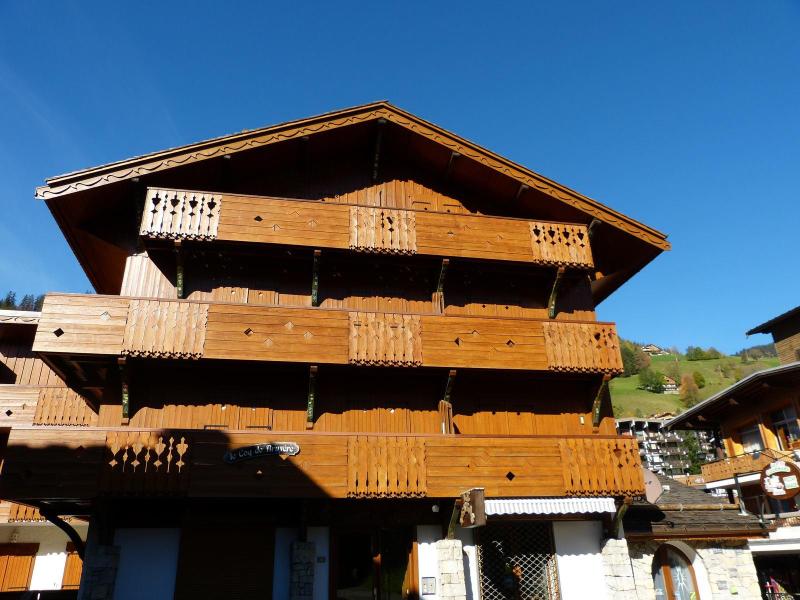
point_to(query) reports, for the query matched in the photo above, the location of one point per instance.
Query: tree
(37, 305)
(693, 452)
(27, 302)
(699, 379)
(673, 370)
(652, 381)
(633, 359)
(10, 301)
(690, 393)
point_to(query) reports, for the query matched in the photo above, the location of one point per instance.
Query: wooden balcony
(80, 464)
(119, 326)
(742, 464)
(204, 216)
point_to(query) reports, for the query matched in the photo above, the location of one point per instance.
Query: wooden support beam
(72, 534)
(376, 157)
(451, 526)
(179, 268)
(312, 394)
(446, 406)
(593, 227)
(521, 190)
(597, 405)
(616, 525)
(450, 164)
(442, 275)
(123, 377)
(315, 278)
(448, 388)
(551, 304)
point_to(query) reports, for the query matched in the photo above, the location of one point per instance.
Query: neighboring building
(34, 554)
(663, 451)
(785, 330)
(297, 370)
(758, 421)
(670, 386)
(684, 544)
(653, 350)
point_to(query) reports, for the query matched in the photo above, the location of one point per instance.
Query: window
(673, 575)
(786, 428)
(751, 438)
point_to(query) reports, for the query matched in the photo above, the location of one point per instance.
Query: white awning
(549, 506)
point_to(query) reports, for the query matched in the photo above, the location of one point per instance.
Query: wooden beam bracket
(74, 536)
(450, 164)
(312, 394)
(615, 530)
(597, 405)
(376, 157)
(593, 228)
(179, 269)
(315, 278)
(448, 388)
(442, 275)
(551, 303)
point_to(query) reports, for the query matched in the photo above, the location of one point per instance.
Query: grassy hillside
(626, 398)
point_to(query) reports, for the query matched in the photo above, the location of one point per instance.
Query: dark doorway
(374, 565)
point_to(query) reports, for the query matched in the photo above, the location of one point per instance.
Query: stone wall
(619, 578)
(723, 568)
(449, 556)
(99, 572)
(301, 576)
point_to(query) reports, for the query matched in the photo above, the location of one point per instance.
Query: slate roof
(675, 514)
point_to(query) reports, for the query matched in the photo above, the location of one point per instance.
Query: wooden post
(315, 278)
(551, 304)
(450, 164)
(179, 269)
(123, 374)
(312, 393)
(376, 158)
(597, 405)
(440, 283)
(592, 228)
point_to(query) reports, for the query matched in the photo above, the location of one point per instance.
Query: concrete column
(449, 556)
(301, 579)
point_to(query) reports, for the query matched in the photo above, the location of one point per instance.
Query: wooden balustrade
(87, 462)
(76, 324)
(742, 464)
(180, 214)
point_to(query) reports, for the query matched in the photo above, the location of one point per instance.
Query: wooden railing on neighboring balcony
(110, 325)
(742, 464)
(193, 215)
(87, 462)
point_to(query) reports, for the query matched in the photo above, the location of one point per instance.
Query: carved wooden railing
(65, 463)
(63, 406)
(181, 214)
(594, 467)
(380, 466)
(75, 324)
(741, 464)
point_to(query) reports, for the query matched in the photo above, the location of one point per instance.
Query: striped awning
(549, 506)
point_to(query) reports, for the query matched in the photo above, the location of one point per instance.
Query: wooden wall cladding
(63, 406)
(17, 404)
(84, 463)
(162, 328)
(386, 229)
(178, 214)
(24, 367)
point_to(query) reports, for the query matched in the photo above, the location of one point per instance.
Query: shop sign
(259, 450)
(781, 480)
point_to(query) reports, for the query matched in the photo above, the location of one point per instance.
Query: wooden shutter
(16, 566)
(72, 570)
(221, 561)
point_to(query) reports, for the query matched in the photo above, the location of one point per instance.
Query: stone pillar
(99, 572)
(618, 570)
(301, 578)
(450, 559)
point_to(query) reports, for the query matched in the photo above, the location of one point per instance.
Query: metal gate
(517, 561)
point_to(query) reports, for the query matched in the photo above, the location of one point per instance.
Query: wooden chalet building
(308, 342)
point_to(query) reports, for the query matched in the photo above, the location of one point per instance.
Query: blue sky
(681, 114)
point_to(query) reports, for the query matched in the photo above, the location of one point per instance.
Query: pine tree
(27, 302)
(10, 301)
(37, 305)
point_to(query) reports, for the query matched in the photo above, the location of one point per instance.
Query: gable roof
(769, 326)
(86, 179)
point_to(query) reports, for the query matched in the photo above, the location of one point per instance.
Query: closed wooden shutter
(220, 562)
(16, 566)
(72, 570)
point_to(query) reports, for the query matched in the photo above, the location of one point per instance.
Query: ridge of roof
(767, 326)
(76, 181)
(723, 394)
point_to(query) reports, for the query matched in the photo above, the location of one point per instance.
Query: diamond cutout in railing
(510, 476)
(268, 342)
(289, 325)
(9, 412)
(258, 218)
(308, 335)
(248, 332)
(58, 332)
(510, 343)
(457, 341)
(105, 316)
